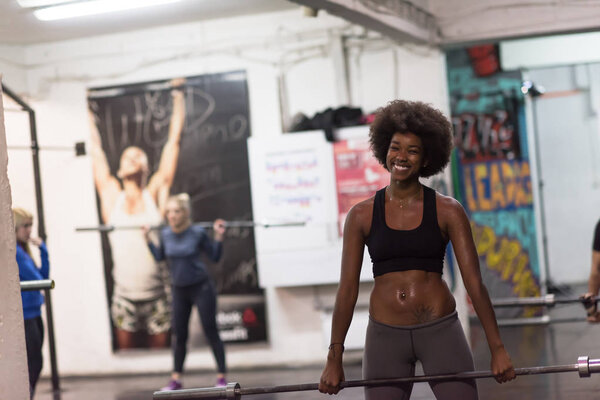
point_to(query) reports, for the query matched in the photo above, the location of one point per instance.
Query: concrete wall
(14, 382)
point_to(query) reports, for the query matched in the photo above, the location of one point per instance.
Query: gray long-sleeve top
(182, 252)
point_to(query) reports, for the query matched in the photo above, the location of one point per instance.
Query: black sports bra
(422, 248)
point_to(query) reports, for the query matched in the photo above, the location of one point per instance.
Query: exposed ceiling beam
(469, 21)
(398, 19)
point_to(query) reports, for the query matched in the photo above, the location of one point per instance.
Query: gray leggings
(391, 352)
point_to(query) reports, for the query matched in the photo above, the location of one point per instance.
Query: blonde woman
(32, 300)
(181, 245)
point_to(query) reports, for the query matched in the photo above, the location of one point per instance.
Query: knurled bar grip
(584, 366)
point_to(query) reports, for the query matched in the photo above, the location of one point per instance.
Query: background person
(181, 245)
(32, 300)
(406, 227)
(594, 281)
(139, 302)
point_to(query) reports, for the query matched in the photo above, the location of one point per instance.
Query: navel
(401, 294)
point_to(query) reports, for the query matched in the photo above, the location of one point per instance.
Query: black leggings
(440, 345)
(34, 337)
(204, 296)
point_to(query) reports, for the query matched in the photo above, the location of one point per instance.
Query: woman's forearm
(157, 251)
(485, 312)
(343, 312)
(216, 250)
(594, 281)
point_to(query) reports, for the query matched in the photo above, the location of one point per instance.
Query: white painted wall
(265, 45)
(12, 67)
(566, 66)
(568, 133)
(550, 51)
(380, 73)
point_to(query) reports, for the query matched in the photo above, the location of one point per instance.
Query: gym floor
(532, 345)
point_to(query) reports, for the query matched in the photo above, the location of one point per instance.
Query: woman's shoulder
(446, 200)
(22, 255)
(21, 252)
(364, 206)
(448, 207)
(361, 215)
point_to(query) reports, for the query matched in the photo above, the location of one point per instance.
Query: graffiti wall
(492, 179)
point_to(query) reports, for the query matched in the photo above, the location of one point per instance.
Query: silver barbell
(584, 366)
(79, 148)
(204, 224)
(548, 300)
(37, 285)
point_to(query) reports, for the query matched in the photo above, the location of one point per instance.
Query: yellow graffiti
(508, 258)
(469, 191)
(481, 173)
(492, 186)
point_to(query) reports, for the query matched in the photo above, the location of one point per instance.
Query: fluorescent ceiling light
(92, 7)
(40, 3)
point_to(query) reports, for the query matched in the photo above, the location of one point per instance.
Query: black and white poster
(154, 139)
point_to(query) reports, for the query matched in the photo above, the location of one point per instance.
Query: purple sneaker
(221, 382)
(174, 384)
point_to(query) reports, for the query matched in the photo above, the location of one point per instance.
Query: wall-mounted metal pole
(41, 227)
(52, 344)
(46, 285)
(36, 160)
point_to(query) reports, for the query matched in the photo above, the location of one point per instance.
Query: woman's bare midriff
(411, 297)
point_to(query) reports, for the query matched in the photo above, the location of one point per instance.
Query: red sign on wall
(358, 175)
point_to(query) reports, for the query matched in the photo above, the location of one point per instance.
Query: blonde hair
(183, 201)
(20, 217)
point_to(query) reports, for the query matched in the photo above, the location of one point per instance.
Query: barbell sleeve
(231, 391)
(37, 285)
(584, 366)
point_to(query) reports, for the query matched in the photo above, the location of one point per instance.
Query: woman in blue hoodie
(32, 300)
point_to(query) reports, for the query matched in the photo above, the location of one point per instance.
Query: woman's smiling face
(405, 156)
